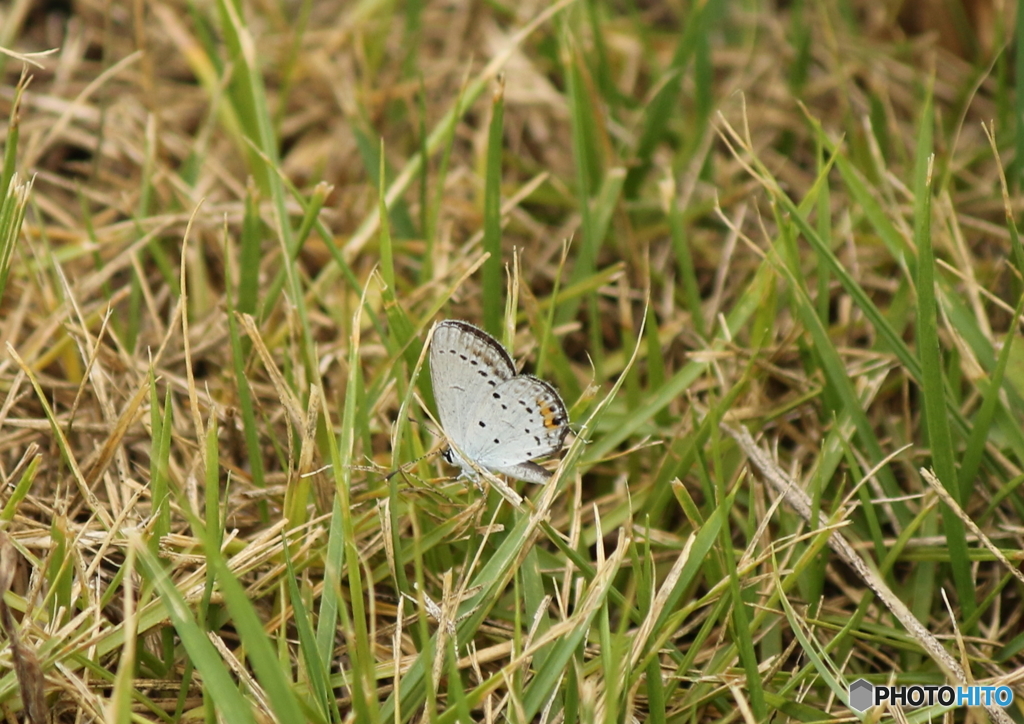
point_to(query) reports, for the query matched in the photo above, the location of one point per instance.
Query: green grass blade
(662, 106)
(218, 681)
(982, 424)
(15, 195)
(933, 384)
(318, 675)
(584, 156)
(491, 273)
(1018, 177)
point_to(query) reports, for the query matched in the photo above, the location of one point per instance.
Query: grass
(768, 256)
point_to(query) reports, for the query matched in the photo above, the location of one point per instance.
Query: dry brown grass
(142, 393)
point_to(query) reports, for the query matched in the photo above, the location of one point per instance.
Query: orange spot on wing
(551, 420)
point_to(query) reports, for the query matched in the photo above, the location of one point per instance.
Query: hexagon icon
(862, 695)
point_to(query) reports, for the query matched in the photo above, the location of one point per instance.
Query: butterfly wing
(466, 363)
(517, 420)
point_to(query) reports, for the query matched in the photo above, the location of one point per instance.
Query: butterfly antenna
(404, 468)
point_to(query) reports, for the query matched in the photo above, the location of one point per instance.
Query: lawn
(766, 254)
